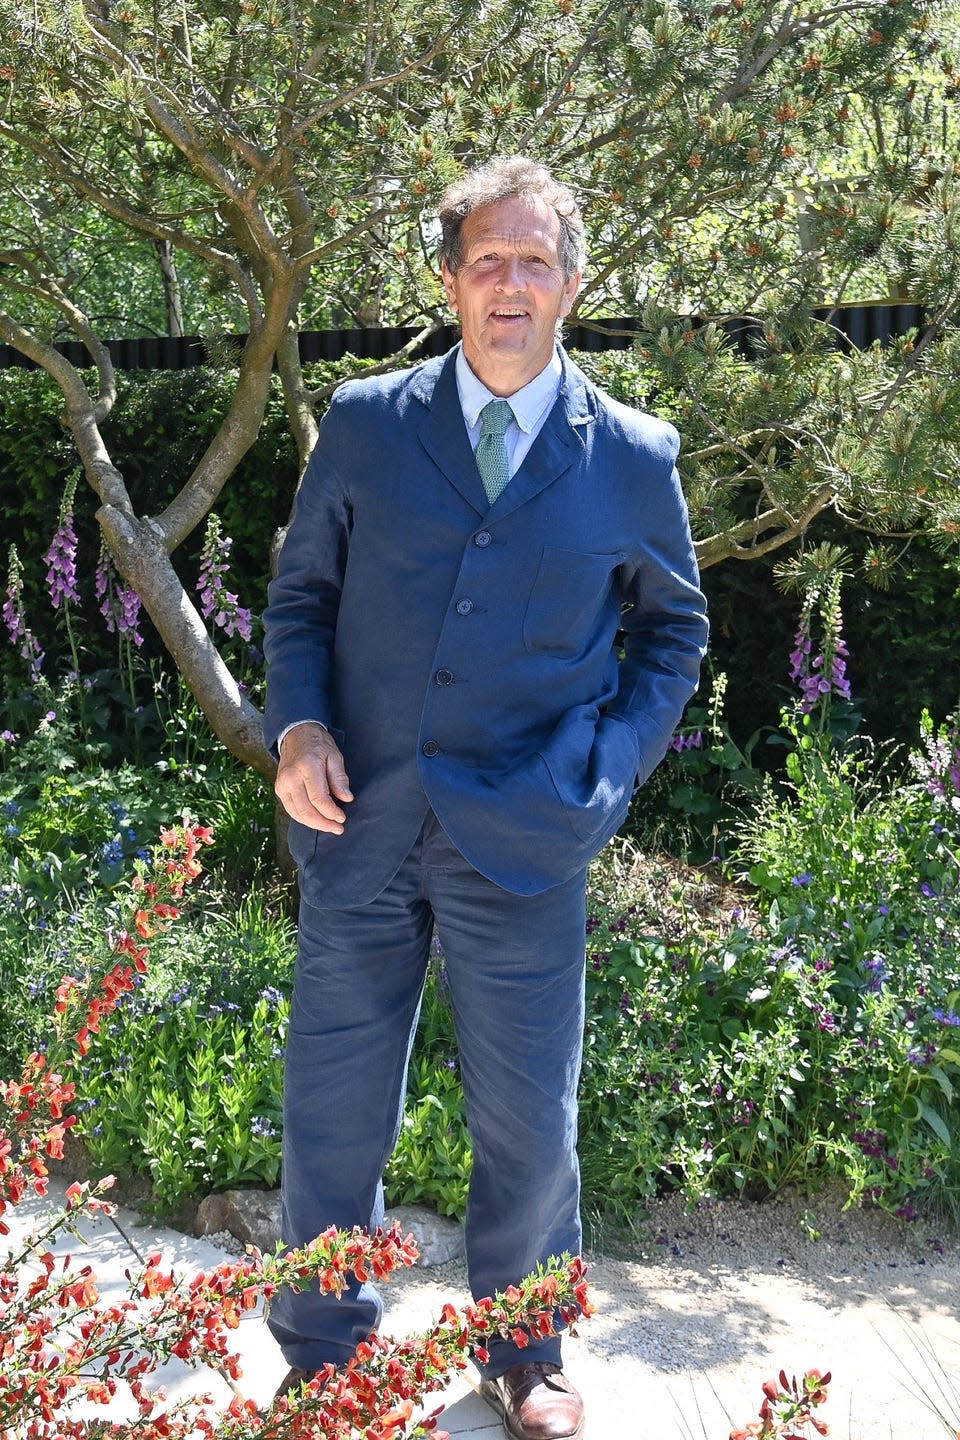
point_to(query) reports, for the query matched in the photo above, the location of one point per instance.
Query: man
(459, 735)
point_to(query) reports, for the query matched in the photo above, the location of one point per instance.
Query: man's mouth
(509, 312)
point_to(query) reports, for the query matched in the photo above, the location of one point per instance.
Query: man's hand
(311, 778)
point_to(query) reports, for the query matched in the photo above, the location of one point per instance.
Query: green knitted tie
(491, 451)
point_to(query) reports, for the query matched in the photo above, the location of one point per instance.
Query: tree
(283, 161)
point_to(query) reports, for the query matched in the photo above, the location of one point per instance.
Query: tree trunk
(171, 288)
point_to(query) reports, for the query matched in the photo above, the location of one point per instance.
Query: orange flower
(142, 922)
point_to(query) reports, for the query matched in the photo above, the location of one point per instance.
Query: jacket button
(431, 748)
(482, 538)
(464, 606)
(444, 677)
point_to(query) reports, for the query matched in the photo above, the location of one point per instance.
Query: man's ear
(449, 285)
(570, 292)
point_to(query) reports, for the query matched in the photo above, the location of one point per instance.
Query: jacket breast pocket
(571, 596)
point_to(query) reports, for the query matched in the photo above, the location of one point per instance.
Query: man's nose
(512, 274)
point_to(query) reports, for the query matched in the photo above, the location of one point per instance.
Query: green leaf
(937, 1125)
(942, 1080)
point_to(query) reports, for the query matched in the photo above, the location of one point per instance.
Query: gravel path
(721, 1299)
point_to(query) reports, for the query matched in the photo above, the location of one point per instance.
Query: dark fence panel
(860, 324)
(863, 324)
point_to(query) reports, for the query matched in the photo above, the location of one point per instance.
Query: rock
(253, 1218)
(438, 1238)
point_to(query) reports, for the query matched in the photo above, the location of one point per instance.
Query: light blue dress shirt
(530, 406)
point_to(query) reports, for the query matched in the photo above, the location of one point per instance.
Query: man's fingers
(312, 779)
(319, 800)
(310, 802)
(337, 777)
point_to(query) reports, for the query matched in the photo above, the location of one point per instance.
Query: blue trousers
(516, 970)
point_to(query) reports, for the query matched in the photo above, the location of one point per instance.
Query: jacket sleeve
(664, 621)
(303, 599)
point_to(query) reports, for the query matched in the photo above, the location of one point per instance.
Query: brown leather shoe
(536, 1401)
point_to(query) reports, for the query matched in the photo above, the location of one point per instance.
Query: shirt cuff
(287, 728)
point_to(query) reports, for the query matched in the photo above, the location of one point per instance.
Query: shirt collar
(528, 404)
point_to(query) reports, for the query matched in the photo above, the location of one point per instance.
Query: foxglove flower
(15, 619)
(61, 557)
(216, 601)
(824, 674)
(939, 768)
(119, 604)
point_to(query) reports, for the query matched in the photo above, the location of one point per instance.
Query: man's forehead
(517, 219)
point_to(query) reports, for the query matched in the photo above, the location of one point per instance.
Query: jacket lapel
(443, 433)
(559, 444)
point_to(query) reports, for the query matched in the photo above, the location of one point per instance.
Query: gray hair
(500, 179)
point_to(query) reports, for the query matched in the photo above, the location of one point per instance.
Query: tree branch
(727, 546)
(586, 47)
(67, 170)
(346, 98)
(393, 362)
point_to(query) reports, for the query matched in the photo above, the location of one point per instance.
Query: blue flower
(272, 995)
(11, 830)
(878, 971)
(801, 880)
(10, 807)
(261, 1126)
(946, 1017)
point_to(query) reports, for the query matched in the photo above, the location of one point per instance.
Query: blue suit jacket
(465, 655)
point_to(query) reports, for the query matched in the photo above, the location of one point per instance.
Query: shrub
(71, 828)
(809, 1037)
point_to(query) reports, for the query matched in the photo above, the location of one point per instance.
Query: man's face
(510, 291)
